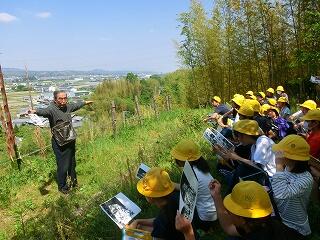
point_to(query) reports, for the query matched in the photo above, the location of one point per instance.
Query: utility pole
(11, 145)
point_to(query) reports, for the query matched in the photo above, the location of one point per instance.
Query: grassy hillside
(32, 208)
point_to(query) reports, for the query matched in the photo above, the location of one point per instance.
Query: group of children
(270, 174)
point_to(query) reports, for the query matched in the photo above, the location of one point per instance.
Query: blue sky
(82, 35)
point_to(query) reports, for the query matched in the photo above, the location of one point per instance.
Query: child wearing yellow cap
(283, 106)
(281, 126)
(245, 111)
(219, 109)
(292, 183)
(270, 94)
(188, 150)
(243, 214)
(261, 97)
(300, 125)
(248, 133)
(313, 139)
(281, 93)
(159, 190)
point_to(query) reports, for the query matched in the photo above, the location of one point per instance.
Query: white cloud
(6, 17)
(43, 14)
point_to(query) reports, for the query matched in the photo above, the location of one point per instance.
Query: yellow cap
(248, 127)
(253, 97)
(270, 90)
(238, 100)
(280, 88)
(156, 183)
(272, 102)
(262, 94)
(246, 110)
(217, 99)
(249, 93)
(283, 99)
(274, 108)
(186, 150)
(265, 107)
(310, 104)
(248, 199)
(312, 115)
(255, 105)
(293, 147)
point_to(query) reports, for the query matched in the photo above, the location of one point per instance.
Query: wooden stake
(167, 103)
(129, 172)
(114, 120)
(40, 141)
(155, 107)
(136, 100)
(124, 120)
(3, 121)
(7, 116)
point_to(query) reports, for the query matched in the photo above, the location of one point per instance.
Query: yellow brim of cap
(179, 156)
(278, 147)
(308, 118)
(305, 106)
(236, 209)
(155, 194)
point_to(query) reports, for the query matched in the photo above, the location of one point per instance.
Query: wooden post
(40, 141)
(169, 100)
(136, 100)
(114, 119)
(3, 121)
(7, 116)
(155, 107)
(124, 120)
(130, 172)
(167, 103)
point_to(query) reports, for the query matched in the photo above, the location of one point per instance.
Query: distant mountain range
(21, 72)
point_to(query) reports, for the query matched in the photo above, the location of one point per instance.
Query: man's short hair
(55, 93)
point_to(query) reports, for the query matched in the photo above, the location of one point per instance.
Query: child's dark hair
(201, 164)
(254, 224)
(300, 167)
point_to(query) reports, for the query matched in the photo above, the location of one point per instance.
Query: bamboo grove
(245, 45)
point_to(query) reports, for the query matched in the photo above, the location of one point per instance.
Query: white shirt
(261, 152)
(204, 204)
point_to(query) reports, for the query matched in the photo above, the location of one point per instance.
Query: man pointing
(59, 112)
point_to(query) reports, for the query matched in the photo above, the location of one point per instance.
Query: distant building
(52, 89)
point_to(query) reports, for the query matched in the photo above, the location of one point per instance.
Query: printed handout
(120, 209)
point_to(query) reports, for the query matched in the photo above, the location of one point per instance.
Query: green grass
(31, 207)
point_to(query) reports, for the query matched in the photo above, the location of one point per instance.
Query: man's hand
(88, 102)
(184, 225)
(215, 188)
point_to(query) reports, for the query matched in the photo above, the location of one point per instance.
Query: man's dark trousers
(66, 163)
